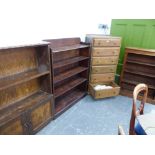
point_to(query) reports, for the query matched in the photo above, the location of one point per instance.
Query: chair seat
(139, 130)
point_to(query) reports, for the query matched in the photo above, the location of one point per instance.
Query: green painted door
(134, 33)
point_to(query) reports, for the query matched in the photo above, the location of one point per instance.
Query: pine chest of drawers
(104, 59)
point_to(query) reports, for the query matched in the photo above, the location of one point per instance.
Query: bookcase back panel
(139, 78)
(140, 68)
(14, 61)
(70, 92)
(84, 52)
(59, 84)
(65, 68)
(59, 56)
(84, 74)
(18, 92)
(141, 58)
(84, 63)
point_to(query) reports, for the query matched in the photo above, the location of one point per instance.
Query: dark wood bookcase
(26, 103)
(139, 67)
(70, 70)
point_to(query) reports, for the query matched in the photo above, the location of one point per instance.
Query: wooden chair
(140, 111)
(136, 128)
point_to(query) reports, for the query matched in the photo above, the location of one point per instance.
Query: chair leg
(120, 130)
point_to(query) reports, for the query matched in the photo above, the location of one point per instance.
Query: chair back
(135, 112)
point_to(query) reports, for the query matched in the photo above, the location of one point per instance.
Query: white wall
(41, 19)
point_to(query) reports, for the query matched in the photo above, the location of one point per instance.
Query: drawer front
(103, 69)
(14, 127)
(104, 93)
(40, 115)
(103, 42)
(104, 60)
(99, 78)
(105, 51)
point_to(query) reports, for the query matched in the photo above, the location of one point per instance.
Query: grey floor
(94, 117)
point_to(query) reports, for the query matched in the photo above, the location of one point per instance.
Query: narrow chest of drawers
(104, 59)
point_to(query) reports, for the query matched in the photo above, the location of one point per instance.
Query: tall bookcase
(26, 103)
(70, 69)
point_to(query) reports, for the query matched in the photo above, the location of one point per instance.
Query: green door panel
(134, 33)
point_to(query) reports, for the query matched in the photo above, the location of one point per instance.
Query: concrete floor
(94, 117)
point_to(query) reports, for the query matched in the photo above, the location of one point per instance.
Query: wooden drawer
(104, 60)
(99, 78)
(103, 69)
(98, 94)
(105, 51)
(103, 42)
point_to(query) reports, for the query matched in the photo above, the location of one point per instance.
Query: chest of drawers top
(103, 41)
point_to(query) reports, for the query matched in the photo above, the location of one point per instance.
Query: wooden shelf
(68, 74)
(68, 86)
(140, 63)
(20, 78)
(66, 102)
(8, 114)
(69, 61)
(67, 48)
(135, 83)
(140, 73)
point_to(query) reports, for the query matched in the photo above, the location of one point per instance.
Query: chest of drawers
(104, 58)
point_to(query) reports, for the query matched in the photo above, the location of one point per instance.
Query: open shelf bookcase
(70, 70)
(139, 67)
(26, 103)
